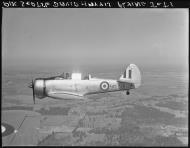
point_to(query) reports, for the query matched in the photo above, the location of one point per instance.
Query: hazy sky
(75, 37)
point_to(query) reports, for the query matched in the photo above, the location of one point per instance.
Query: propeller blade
(33, 91)
(30, 85)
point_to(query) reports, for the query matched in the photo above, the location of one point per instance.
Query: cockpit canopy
(73, 76)
(76, 76)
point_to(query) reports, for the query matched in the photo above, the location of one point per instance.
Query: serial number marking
(112, 86)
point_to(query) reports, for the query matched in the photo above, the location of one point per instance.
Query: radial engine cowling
(39, 88)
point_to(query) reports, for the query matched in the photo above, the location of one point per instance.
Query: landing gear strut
(127, 92)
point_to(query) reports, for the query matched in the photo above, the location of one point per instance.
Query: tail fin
(132, 75)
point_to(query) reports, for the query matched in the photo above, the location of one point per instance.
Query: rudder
(132, 75)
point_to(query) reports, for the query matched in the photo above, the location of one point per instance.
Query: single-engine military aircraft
(74, 87)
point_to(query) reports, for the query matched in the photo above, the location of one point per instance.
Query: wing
(65, 95)
(99, 92)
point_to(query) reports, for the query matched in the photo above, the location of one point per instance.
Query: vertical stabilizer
(132, 75)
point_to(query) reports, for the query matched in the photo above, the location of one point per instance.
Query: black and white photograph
(95, 77)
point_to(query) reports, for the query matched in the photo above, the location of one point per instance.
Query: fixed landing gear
(127, 92)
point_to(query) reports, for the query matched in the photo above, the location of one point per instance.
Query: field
(156, 114)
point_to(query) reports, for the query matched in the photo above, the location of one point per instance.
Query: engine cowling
(40, 88)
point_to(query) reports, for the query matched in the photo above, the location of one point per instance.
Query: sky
(102, 37)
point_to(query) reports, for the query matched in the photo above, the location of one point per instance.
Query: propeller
(31, 85)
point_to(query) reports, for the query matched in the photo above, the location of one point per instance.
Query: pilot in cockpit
(68, 76)
(62, 75)
(87, 77)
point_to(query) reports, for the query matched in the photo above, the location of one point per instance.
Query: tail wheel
(127, 93)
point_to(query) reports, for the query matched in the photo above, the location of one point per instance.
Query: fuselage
(76, 87)
(61, 88)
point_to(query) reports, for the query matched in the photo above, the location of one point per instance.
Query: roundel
(6, 129)
(104, 85)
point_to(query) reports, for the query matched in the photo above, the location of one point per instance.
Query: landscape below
(156, 114)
